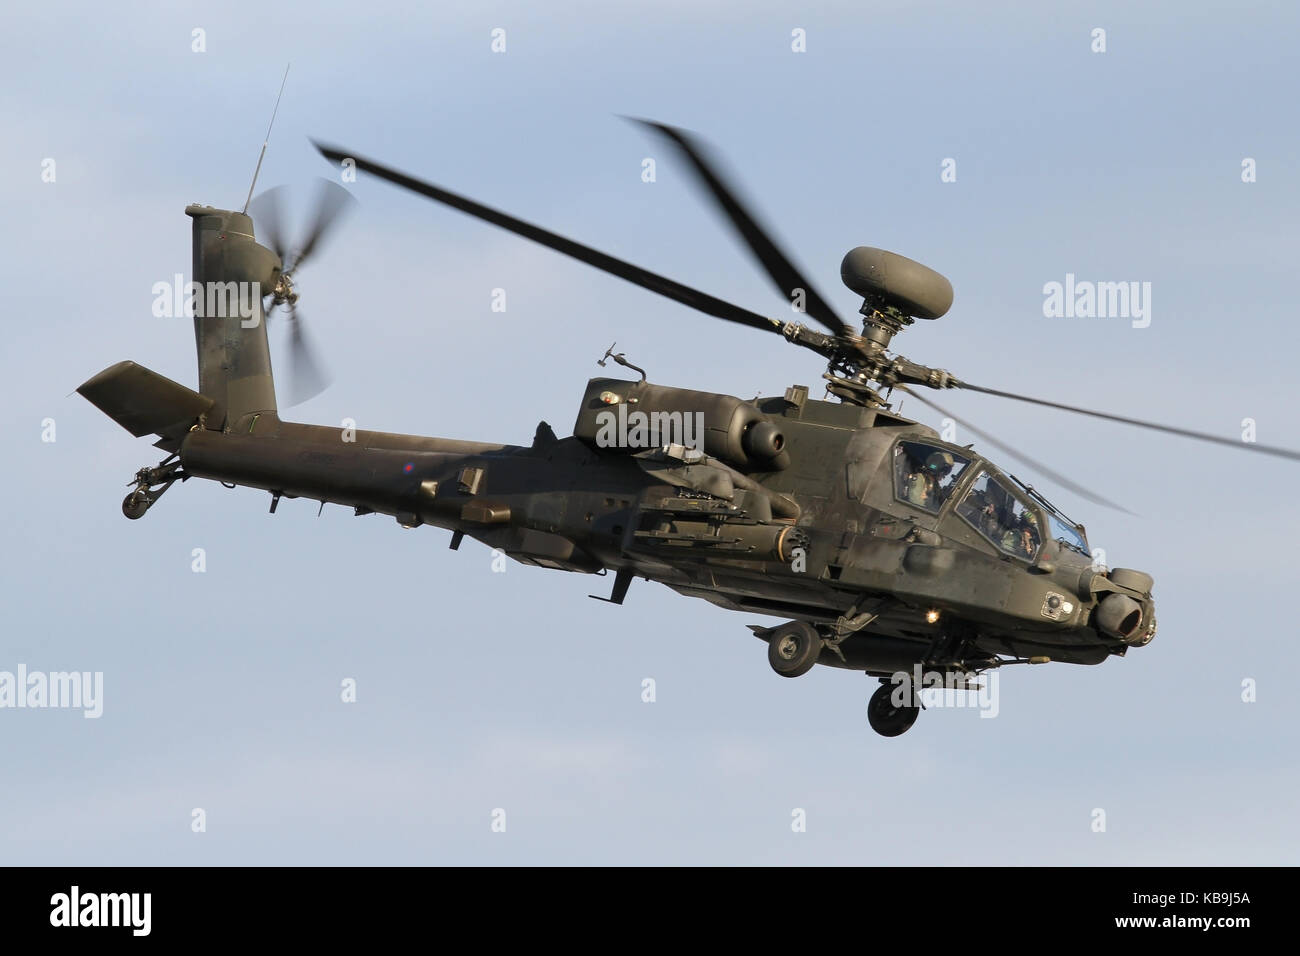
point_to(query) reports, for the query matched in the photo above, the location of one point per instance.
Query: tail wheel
(136, 504)
(792, 649)
(886, 716)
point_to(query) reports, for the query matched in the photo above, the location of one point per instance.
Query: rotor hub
(284, 292)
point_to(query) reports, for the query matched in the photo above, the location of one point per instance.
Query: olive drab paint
(883, 546)
(234, 356)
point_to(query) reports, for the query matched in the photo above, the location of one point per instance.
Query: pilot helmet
(939, 463)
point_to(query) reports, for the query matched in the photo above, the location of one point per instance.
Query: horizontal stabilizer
(145, 403)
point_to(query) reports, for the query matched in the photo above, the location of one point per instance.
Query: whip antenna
(262, 154)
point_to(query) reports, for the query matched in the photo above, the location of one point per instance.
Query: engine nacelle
(632, 417)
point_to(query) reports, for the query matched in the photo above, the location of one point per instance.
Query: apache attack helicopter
(885, 548)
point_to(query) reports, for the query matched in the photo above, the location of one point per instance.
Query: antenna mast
(262, 154)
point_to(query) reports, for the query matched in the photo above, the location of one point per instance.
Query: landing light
(931, 616)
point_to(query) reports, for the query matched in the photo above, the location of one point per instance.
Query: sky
(478, 691)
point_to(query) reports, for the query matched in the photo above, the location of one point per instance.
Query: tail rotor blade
(268, 215)
(307, 377)
(332, 202)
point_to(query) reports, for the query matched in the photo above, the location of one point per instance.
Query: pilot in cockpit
(1022, 538)
(938, 466)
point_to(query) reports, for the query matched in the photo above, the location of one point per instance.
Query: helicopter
(881, 547)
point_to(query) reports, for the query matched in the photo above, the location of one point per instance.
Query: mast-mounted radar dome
(885, 279)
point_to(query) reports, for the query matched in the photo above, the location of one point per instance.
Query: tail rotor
(307, 375)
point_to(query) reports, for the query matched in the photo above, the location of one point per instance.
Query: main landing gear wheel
(887, 718)
(792, 649)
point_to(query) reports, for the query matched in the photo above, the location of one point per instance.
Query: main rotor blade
(701, 301)
(1020, 456)
(789, 280)
(268, 216)
(307, 378)
(332, 201)
(1168, 429)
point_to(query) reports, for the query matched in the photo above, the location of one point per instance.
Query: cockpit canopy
(1002, 510)
(996, 512)
(925, 475)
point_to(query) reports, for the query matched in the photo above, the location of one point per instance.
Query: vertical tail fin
(231, 274)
